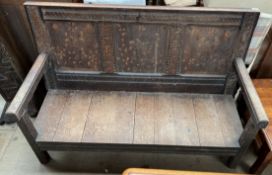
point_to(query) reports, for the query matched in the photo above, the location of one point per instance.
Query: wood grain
(72, 123)
(111, 118)
(224, 108)
(208, 123)
(251, 97)
(175, 120)
(105, 39)
(50, 114)
(139, 118)
(144, 113)
(27, 89)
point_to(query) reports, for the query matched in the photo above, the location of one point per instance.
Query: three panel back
(141, 48)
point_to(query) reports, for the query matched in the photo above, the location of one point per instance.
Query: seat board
(119, 117)
(110, 118)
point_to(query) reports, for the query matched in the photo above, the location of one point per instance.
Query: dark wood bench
(147, 79)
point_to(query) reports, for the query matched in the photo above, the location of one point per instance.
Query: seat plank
(50, 113)
(185, 123)
(111, 118)
(166, 119)
(230, 123)
(144, 129)
(208, 123)
(73, 119)
(175, 124)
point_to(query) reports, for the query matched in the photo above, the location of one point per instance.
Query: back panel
(141, 48)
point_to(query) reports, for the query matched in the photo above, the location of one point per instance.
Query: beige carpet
(5, 137)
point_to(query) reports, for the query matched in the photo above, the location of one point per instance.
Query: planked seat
(139, 118)
(146, 79)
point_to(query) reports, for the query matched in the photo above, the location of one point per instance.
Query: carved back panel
(121, 41)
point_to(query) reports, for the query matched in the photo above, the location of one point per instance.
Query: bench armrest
(252, 99)
(19, 103)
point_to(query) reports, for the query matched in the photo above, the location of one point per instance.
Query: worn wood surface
(206, 117)
(88, 41)
(20, 102)
(264, 90)
(30, 133)
(140, 82)
(247, 137)
(252, 99)
(142, 171)
(50, 114)
(14, 20)
(110, 118)
(225, 106)
(258, 119)
(72, 122)
(170, 119)
(139, 118)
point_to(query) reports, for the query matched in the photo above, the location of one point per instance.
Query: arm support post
(19, 104)
(251, 97)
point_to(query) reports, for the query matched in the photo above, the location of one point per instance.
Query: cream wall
(263, 5)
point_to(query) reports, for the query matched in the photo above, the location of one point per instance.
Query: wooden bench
(146, 79)
(142, 171)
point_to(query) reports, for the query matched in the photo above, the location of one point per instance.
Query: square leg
(264, 158)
